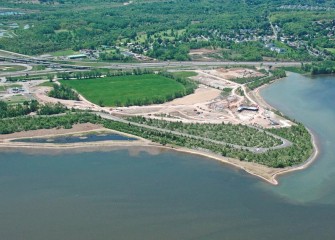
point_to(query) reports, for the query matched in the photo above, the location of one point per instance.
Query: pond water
(78, 139)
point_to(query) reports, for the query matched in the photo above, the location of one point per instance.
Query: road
(22, 72)
(193, 64)
(275, 33)
(285, 143)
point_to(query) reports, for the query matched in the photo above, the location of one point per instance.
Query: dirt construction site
(218, 99)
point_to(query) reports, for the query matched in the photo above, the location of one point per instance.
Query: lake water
(311, 101)
(137, 195)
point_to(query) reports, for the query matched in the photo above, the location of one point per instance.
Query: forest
(18, 124)
(63, 92)
(16, 110)
(315, 68)
(169, 30)
(229, 133)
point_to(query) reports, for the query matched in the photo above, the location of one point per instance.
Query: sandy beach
(141, 144)
(266, 173)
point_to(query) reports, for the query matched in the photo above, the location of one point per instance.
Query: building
(242, 108)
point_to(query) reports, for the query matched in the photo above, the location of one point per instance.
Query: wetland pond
(78, 139)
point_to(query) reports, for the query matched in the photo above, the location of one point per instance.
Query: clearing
(127, 90)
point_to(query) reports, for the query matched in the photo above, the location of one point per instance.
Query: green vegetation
(38, 67)
(132, 89)
(11, 125)
(325, 67)
(81, 75)
(46, 84)
(27, 78)
(63, 92)
(51, 109)
(5, 87)
(11, 68)
(307, 29)
(226, 92)
(19, 98)
(63, 53)
(15, 110)
(276, 74)
(7, 110)
(170, 29)
(229, 133)
(299, 152)
(184, 74)
(294, 69)
(246, 79)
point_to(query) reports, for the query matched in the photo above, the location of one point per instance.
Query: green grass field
(16, 99)
(5, 87)
(184, 74)
(63, 53)
(294, 69)
(332, 50)
(46, 84)
(11, 68)
(128, 90)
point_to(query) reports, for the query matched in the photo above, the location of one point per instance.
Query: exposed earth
(206, 104)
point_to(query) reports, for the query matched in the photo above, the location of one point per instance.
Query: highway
(192, 64)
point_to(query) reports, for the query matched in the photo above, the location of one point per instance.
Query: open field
(5, 87)
(127, 90)
(11, 68)
(185, 74)
(63, 53)
(19, 98)
(46, 84)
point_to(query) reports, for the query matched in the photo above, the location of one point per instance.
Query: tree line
(16, 110)
(26, 123)
(315, 68)
(63, 92)
(299, 152)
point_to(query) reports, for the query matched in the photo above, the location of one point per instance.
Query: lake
(168, 195)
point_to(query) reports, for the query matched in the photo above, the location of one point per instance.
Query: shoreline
(249, 167)
(304, 165)
(316, 150)
(263, 172)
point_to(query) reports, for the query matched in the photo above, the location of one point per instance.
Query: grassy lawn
(63, 53)
(184, 74)
(11, 68)
(46, 84)
(5, 87)
(294, 69)
(17, 99)
(39, 67)
(127, 90)
(332, 50)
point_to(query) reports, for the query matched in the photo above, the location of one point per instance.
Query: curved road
(285, 143)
